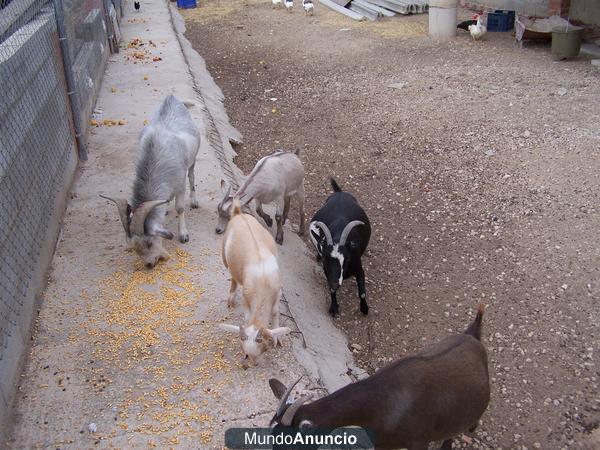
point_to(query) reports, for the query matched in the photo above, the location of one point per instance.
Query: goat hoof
(183, 238)
(334, 311)
(279, 240)
(364, 308)
(269, 222)
(194, 204)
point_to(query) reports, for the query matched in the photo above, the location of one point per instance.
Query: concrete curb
(321, 348)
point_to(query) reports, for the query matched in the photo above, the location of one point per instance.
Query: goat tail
(475, 328)
(236, 208)
(336, 187)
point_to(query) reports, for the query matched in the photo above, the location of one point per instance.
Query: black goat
(340, 231)
(429, 396)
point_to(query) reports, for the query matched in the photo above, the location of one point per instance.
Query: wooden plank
(341, 2)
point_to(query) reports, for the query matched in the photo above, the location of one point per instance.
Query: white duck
(276, 4)
(308, 7)
(478, 30)
(289, 4)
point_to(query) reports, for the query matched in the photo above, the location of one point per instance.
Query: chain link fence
(52, 59)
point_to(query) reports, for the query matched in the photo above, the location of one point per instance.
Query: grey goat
(275, 178)
(167, 153)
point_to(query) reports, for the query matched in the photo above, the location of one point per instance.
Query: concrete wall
(588, 11)
(530, 7)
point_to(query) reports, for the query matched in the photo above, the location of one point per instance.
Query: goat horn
(139, 215)
(124, 211)
(289, 414)
(326, 231)
(348, 229)
(284, 398)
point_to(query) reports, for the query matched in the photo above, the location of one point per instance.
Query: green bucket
(566, 41)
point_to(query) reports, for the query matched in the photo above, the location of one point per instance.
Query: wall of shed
(587, 11)
(538, 8)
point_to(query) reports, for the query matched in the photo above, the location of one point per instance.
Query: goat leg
(184, 235)
(362, 292)
(334, 308)
(231, 298)
(264, 216)
(300, 197)
(193, 199)
(280, 219)
(286, 210)
(446, 445)
(275, 322)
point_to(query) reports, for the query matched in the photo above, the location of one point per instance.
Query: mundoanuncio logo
(295, 438)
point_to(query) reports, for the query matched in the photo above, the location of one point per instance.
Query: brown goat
(433, 395)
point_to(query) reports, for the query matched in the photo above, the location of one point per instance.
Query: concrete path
(130, 358)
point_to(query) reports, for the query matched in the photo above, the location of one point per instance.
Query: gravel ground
(479, 172)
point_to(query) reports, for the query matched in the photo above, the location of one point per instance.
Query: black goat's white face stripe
(335, 253)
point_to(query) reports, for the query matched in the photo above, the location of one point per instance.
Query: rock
(396, 85)
(356, 347)
(561, 91)
(92, 427)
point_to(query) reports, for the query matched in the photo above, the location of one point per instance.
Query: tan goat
(250, 254)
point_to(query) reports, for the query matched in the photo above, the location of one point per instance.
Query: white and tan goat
(250, 254)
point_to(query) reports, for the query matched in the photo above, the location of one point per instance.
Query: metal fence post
(68, 68)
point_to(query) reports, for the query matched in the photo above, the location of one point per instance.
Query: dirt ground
(479, 172)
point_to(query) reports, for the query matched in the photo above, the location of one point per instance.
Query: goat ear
(279, 332)
(277, 387)
(306, 425)
(230, 328)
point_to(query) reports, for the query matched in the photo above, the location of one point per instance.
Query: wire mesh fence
(52, 58)
(36, 144)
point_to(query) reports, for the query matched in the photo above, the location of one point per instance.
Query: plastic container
(566, 41)
(442, 19)
(501, 21)
(186, 4)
